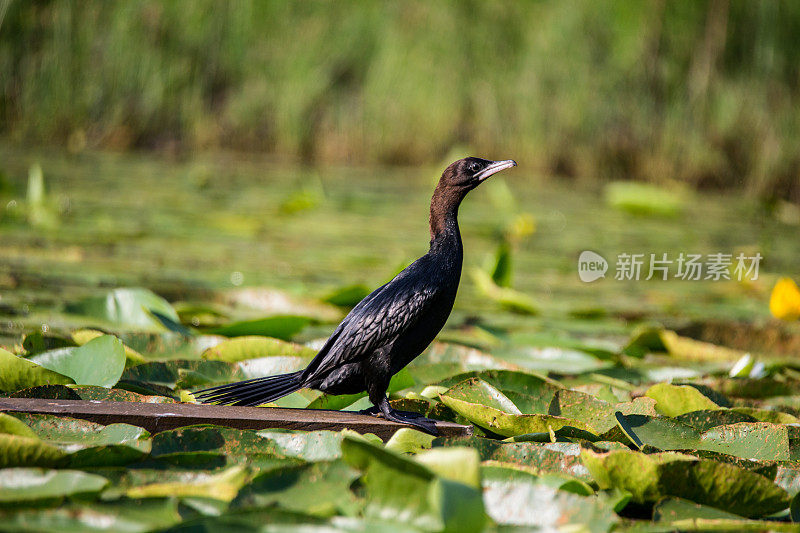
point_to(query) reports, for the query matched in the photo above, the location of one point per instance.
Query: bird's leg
(418, 421)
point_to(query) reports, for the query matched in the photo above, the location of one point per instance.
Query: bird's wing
(376, 321)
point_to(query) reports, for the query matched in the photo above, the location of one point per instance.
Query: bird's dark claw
(372, 411)
(416, 420)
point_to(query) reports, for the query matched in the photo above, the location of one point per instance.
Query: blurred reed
(706, 93)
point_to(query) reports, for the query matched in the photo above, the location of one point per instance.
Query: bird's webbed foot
(406, 417)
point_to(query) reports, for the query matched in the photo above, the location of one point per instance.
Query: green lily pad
(682, 515)
(17, 373)
(766, 415)
(675, 400)
(548, 458)
(531, 393)
(407, 440)
(321, 489)
(253, 347)
(222, 486)
(456, 463)
(32, 484)
(467, 400)
(10, 425)
(99, 362)
(347, 296)
(441, 361)
(306, 445)
(650, 478)
(126, 308)
(282, 327)
(704, 420)
(131, 516)
(516, 498)
(400, 489)
(17, 450)
(38, 342)
(82, 336)
(597, 414)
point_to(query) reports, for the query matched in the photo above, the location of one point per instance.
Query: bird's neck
(445, 234)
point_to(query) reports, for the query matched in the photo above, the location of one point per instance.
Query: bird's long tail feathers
(252, 391)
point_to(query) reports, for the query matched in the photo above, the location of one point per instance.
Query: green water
(191, 227)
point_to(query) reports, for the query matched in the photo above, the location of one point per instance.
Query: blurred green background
(191, 147)
(705, 92)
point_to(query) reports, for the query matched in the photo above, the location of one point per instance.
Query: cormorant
(391, 326)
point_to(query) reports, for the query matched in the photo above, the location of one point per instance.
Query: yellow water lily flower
(785, 300)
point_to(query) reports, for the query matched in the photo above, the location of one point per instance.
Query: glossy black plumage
(391, 326)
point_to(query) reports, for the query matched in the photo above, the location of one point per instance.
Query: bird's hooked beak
(494, 168)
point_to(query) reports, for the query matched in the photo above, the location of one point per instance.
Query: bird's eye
(474, 167)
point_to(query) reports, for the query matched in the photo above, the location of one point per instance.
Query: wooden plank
(156, 417)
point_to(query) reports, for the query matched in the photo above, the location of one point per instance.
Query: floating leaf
(644, 198)
(31, 484)
(407, 440)
(38, 342)
(650, 478)
(10, 425)
(17, 373)
(556, 458)
(82, 336)
(127, 515)
(682, 515)
(457, 463)
(222, 486)
(100, 361)
(441, 361)
(530, 392)
(321, 489)
(126, 308)
(306, 445)
(674, 400)
(282, 327)
(254, 347)
(347, 296)
(16, 450)
(402, 490)
(516, 498)
(466, 401)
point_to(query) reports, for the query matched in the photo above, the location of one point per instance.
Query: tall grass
(706, 93)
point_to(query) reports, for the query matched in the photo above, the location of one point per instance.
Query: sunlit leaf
(100, 361)
(17, 373)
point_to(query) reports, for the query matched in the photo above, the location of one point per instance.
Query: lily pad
(650, 478)
(282, 327)
(400, 489)
(126, 308)
(99, 362)
(515, 498)
(254, 347)
(321, 489)
(502, 416)
(674, 400)
(32, 484)
(223, 486)
(17, 373)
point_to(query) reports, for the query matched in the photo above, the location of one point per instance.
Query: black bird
(391, 326)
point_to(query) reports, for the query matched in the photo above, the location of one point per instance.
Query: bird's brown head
(470, 172)
(456, 181)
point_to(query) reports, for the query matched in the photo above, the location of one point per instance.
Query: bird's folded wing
(377, 321)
